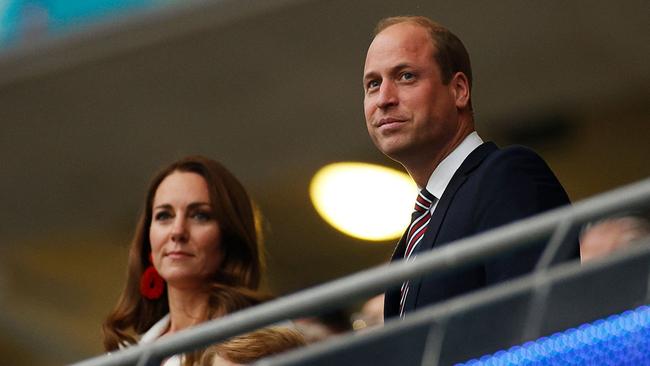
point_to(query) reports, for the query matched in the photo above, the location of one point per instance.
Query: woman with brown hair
(196, 255)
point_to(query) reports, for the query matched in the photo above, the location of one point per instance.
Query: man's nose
(387, 95)
(179, 230)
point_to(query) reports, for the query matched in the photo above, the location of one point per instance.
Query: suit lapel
(400, 248)
(470, 163)
(393, 294)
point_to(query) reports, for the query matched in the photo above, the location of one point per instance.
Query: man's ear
(460, 88)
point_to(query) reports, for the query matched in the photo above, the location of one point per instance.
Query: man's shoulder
(514, 153)
(489, 154)
(510, 183)
(514, 169)
(515, 159)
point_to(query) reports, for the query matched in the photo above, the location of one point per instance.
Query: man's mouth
(387, 121)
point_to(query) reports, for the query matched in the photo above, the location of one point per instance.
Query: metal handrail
(372, 281)
(437, 315)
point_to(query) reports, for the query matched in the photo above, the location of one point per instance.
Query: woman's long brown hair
(233, 287)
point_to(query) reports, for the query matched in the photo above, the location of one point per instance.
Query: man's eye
(372, 84)
(407, 76)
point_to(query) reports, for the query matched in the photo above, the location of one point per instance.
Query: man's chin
(394, 151)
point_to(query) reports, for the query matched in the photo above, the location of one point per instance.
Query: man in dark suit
(417, 83)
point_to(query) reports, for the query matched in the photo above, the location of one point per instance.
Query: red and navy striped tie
(419, 222)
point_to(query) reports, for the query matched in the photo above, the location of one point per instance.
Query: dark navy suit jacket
(491, 188)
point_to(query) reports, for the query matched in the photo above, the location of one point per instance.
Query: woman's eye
(163, 215)
(202, 216)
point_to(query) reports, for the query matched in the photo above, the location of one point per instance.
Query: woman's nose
(179, 230)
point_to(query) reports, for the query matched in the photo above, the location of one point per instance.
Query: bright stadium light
(366, 201)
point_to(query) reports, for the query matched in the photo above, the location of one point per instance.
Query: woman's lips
(178, 255)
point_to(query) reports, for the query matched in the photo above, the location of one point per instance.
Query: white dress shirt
(441, 176)
(155, 332)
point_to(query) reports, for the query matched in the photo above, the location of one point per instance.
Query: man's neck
(420, 168)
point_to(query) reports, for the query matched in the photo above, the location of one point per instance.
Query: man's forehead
(405, 34)
(397, 43)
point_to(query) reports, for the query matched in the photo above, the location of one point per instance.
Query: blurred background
(95, 96)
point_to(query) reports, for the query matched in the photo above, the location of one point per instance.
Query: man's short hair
(450, 53)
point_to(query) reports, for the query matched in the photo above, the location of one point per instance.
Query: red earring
(151, 284)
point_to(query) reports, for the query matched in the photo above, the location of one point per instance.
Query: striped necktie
(419, 222)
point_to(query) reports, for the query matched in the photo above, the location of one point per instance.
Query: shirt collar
(156, 330)
(443, 173)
